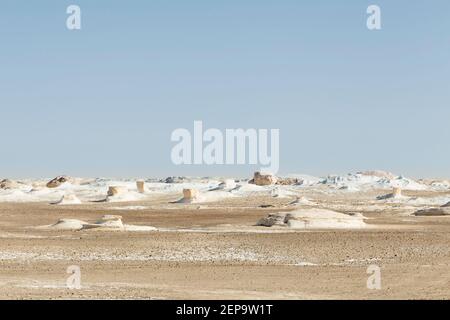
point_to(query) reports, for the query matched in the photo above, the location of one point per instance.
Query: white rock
(116, 190)
(140, 185)
(68, 199)
(264, 179)
(315, 219)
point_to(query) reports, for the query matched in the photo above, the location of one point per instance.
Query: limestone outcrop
(140, 185)
(116, 190)
(56, 182)
(263, 179)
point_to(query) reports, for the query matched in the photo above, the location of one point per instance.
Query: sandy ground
(214, 251)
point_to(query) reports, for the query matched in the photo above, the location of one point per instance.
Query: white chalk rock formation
(190, 195)
(300, 201)
(396, 194)
(281, 193)
(323, 219)
(263, 179)
(116, 191)
(68, 199)
(7, 184)
(288, 181)
(227, 184)
(307, 219)
(110, 222)
(140, 185)
(128, 227)
(107, 223)
(273, 219)
(68, 224)
(58, 181)
(122, 194)
(432, 212)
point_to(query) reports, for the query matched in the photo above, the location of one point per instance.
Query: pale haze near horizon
(104, 100)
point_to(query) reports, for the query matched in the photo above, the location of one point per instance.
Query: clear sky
(103, 101)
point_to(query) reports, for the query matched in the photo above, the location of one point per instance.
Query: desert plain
(228, 240)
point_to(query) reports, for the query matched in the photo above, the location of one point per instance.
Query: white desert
(224, 237)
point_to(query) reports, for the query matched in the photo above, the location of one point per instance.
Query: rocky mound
(58, 181)
(288, 181)
(68, 224)
(263, 179)
(122, 194)
(116, 191)
(431, 212)
(300, 201)
(173, 180)
(273, 219)
(68, 199)
(314, 219)
(189, 196)
(107, 222)
(228, 184)
(7, 184)
(396, 193)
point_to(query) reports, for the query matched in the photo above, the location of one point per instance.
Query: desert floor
(214, 251)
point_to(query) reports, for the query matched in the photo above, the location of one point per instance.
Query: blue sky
(104, 100)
